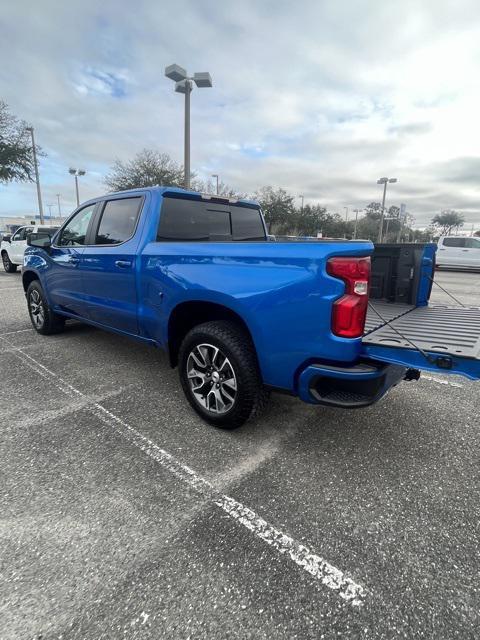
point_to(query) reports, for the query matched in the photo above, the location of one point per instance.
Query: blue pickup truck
(333, 322)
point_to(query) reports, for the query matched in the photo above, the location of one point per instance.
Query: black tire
(43, 319)
(7, 264)
(236, 354)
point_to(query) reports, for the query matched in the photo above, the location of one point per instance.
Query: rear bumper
(352, 387)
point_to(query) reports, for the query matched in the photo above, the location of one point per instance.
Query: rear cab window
(195, 220)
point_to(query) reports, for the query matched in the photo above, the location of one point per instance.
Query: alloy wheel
(37, 310)
(211, 378)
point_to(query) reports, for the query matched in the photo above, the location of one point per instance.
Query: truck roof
(186, 192)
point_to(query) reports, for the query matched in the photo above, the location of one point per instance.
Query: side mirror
(7, 237)
(40, 239)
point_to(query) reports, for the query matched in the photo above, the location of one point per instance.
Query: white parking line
(11, 288)
(303, 557)
(440, 381)
(11, 333)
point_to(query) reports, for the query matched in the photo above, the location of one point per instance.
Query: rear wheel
(219, 374)
(44, 320)
(7, 263)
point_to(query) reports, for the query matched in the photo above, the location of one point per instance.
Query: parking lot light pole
(183, 84)
(59, 209)
(383, 181)
(37, 176)
(76, 173)
(303, 201)
(215, 175)
(356, 212)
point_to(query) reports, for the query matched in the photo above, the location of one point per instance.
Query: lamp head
(175, 72)
(203, 79)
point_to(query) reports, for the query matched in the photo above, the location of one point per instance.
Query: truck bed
(450, 330)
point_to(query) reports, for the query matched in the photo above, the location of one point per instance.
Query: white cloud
(321, 98)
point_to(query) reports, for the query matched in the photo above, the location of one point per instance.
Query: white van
(455, 252)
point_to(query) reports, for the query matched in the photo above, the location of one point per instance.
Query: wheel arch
(27, 278)
(187, 315)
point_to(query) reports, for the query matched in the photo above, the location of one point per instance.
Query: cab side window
(21, 234)
(454, 242)
(118, 221)
(74, 233)
(473, 243)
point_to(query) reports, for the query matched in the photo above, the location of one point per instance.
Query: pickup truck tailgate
(449, 337)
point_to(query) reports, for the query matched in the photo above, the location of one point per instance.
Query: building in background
(9, 224)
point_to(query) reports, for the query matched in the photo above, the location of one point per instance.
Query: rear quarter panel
(280, 290)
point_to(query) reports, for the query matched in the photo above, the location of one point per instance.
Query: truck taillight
(349, 311)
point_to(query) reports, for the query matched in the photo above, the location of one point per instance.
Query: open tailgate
(433, 338)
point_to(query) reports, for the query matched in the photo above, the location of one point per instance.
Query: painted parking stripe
(302, 556)
(440, 381)
(11, 333)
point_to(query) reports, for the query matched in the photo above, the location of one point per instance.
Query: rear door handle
(123, 264)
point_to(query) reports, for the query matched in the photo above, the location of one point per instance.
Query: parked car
(240, 315)
(12, 246)
(455, 252)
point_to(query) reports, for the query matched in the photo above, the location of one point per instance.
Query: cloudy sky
(320, 97)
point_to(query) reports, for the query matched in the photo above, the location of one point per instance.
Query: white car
(13, 246)
(456, 252)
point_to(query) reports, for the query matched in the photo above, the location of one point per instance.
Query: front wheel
(44, 320)
(7, 263)
(219, 374)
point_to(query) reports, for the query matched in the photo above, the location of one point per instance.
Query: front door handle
(73, 260)
(123, 264)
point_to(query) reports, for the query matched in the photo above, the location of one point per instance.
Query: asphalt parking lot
(125, 516)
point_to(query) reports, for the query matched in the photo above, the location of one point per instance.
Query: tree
(16, 153)
(278, 208)
(373, 211)
(211, 187)
(311, 219)
(477, 234)
(149, 168)
(448, 220)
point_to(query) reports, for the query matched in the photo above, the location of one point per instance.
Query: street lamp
(183, 84)
(59, 209)
(76, 173)
(383, 181)
(303, 201)
(356, 212)
(37, 177)
(215, 175)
